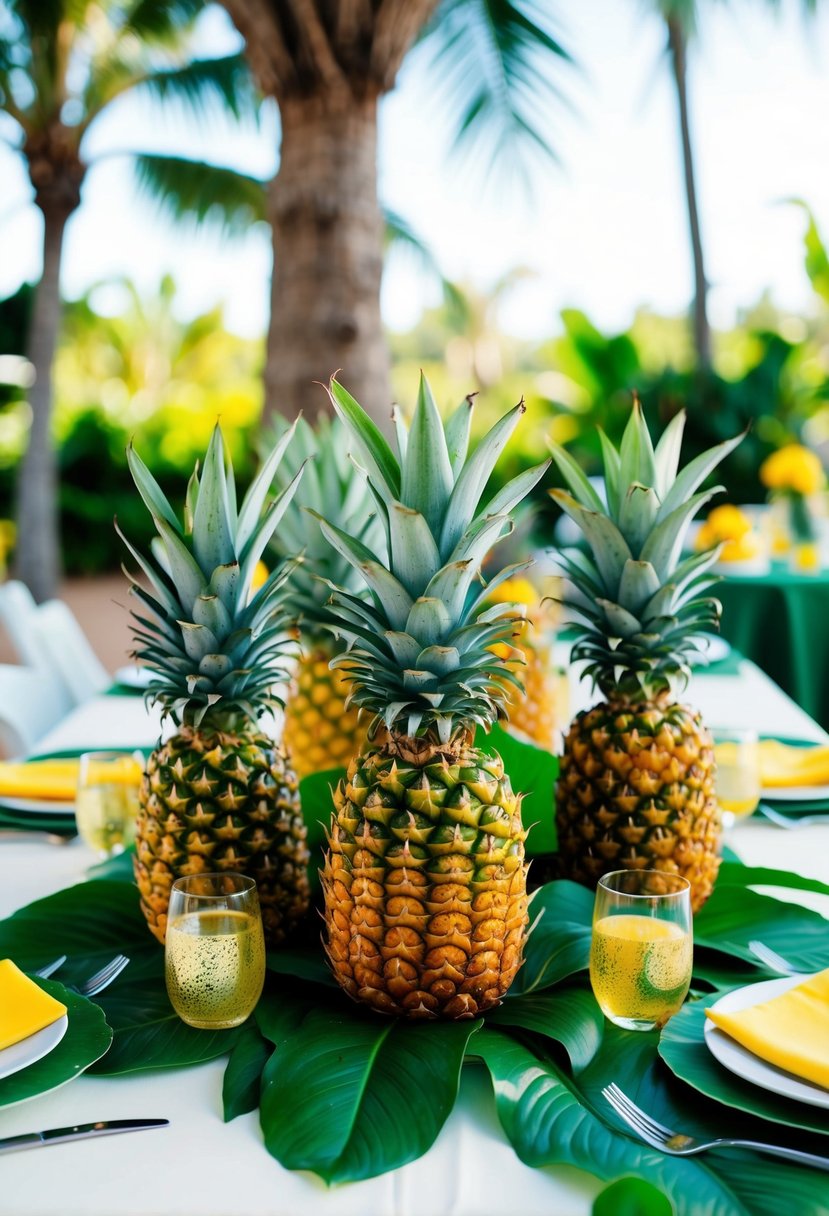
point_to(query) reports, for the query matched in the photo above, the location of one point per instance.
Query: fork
(677, 1144)
(774, 961)
(97, 982)
(784, 821)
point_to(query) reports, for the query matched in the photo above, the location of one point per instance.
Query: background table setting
(465, 1168)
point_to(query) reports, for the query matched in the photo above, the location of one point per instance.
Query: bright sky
(606, 232)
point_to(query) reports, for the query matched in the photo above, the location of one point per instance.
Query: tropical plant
(63, 63)
(636, 788)
(327, 65)
(425, 881)
(219, 794)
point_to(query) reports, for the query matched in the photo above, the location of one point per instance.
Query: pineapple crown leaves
(332, 487)
(419, 652)
(641, 608)
(216, 649)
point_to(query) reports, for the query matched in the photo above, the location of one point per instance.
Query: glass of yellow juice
(214, 953)
(737, 753)
(106, 800)
(641, 950)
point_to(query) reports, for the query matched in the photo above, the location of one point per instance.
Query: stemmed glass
(641, 952)
(214, 958)
(106, 801)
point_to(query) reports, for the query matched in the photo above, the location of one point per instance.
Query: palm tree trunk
(328, 258)
(702, 331)
(37, 548)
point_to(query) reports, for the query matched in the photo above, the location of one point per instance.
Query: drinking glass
(214, 955)
(641, 951)
(737, 754)
(106, 800)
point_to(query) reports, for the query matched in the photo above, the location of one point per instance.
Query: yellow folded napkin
(24, 1007)
(790, 1031)
(58, 779)
(781, 764)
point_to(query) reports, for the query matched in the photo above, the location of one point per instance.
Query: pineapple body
(636, 790)
(320, 731)
(214, 801)
(534, 713)
(425, 882)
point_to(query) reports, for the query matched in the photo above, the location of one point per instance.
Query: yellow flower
(794, 468)
(730, 527)
(515, 591)
(260, 576)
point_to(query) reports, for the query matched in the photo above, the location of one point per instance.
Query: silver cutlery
(96, 983)
(786, 821)
(774, 961)
(677, 1144)
(82, 1131)
(50, 968)
(21, 835)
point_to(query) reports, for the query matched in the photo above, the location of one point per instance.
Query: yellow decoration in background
(730, 527)
(24, 1007)
(794, 468)
(782, 765)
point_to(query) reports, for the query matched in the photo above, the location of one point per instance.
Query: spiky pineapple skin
(221, 801)
(535, 712)
(425, 884)
(320, 733)
(636, 790)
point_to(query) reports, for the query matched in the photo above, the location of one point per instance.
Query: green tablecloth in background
(781, 621)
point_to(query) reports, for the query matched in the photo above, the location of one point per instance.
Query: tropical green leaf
(243, 1075)
(149, 1034)
(632, 1197)
(571, 1016)
(87, 1038)
(682, 1047)
(210, 86)
(493, 64)
(375, 1093)
(735, 915)
(200, 192)
(561, 918)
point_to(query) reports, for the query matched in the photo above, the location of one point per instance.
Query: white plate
(35, 1047)
(795, 793)
(745, 1063)
(45, 806)
(134, 677)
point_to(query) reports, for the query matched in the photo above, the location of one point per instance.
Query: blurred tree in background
(62, 64)
(327, 63)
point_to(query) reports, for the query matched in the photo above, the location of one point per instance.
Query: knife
(81, 1131)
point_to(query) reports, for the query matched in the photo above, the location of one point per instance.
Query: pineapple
(534, 711)
(321, 731)
(425, 879)
(219, 794)
(636, 785)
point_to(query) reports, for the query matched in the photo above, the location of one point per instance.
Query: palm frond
(497, 63)
(201, 193)
(160, 20)
(398, 234)
(205, 85)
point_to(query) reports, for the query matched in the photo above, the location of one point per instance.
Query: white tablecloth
(200, 1166)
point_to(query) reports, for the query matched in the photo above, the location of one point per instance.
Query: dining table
(777, 617)
(201, 1166)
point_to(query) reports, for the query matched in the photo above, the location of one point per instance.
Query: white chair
(30, 705)
(48, 638)
(72, 657)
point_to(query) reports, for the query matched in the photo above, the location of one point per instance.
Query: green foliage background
(130, 367)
